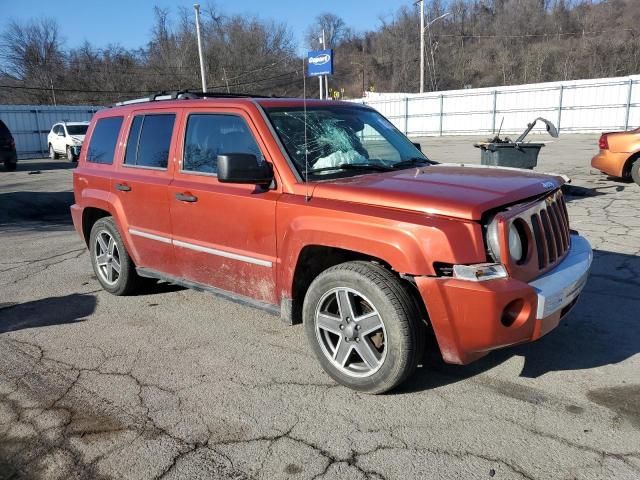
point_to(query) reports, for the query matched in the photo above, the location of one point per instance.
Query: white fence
(30, 124)
(578, 106)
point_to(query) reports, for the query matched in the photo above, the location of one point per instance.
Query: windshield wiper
(413, 162)
(352, 166)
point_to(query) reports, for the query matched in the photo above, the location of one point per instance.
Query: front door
(59, 139)
(140, 183)
(223, 234)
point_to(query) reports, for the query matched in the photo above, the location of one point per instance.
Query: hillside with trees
(477, 43)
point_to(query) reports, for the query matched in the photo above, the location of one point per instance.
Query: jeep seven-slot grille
(550, 230)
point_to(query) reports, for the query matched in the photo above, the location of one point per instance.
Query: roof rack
(187, 95)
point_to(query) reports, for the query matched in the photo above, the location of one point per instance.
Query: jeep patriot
(328, 215)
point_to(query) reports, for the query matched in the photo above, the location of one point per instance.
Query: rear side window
(103, 140)
(149, 141)
(210, 135)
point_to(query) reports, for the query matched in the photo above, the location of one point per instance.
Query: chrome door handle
(123, 187)
(185, 197)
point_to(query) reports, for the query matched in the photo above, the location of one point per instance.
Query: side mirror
(243, 168)
(417, 145)
(61, 134)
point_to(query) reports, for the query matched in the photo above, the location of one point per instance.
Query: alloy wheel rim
(350, 332)
(107, 258)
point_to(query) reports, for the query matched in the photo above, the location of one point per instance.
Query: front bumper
(472, 318)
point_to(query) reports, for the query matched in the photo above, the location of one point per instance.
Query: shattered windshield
(342, 141)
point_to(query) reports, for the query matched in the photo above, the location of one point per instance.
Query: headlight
(516, 241)
(516, 249)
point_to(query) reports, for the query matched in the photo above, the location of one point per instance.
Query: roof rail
(186, 95)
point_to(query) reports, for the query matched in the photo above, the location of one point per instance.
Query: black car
(7, 148)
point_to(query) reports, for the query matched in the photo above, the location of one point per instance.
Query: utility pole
(53, 93)
(224, 71)
(421, 45)
(196, 7)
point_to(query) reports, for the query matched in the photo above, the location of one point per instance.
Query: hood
(77, 138)
(455, 190)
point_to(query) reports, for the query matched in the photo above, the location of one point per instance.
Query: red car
(323, 212)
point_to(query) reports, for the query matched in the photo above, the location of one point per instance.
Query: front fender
(407, 241)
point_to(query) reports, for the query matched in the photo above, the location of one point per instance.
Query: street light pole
(422, 49)
(196, 7)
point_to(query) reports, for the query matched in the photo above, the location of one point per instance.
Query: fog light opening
(515, 313)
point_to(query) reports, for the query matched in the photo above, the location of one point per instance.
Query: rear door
(140, 183)
(223, 234)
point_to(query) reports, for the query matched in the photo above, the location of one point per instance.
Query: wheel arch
(626, 168)
(90, 215)
(314, 259)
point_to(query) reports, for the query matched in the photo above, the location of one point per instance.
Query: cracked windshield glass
(342, 141)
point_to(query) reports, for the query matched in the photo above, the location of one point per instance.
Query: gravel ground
(174, 383)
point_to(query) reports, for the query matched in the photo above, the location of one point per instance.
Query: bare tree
(335, 31)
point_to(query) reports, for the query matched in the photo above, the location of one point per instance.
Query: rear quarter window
(103, 142)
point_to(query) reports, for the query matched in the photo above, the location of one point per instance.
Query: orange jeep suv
(324, 213)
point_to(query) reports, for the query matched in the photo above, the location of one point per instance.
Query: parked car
(325, 213)
(66, 138)
(8, 155)
(619, 154)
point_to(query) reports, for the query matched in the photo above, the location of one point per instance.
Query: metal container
(523, 155)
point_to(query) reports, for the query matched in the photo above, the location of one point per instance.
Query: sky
(128, 22)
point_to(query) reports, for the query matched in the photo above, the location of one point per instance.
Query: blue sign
(320, 62)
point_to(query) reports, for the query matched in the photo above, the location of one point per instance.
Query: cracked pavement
(177, 384)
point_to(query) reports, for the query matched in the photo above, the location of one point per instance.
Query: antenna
(501, 121)
(306, 150)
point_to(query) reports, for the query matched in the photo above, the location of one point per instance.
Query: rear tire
(110, 260)
(10, 166)
(635, 171)
(348, 345)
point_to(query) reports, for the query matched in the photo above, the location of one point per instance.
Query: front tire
(363, 326)
(111, 262)
(10, 166)
(635, 171)
(52, 153)
(70, 156)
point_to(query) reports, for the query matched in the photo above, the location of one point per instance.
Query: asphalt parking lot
(173, 383)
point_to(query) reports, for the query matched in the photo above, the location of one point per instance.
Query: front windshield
(342, 141)
(77, 129)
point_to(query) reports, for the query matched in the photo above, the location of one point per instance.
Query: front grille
(546, 225)
(550, 228)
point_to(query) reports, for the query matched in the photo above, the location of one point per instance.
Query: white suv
(66, 138)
